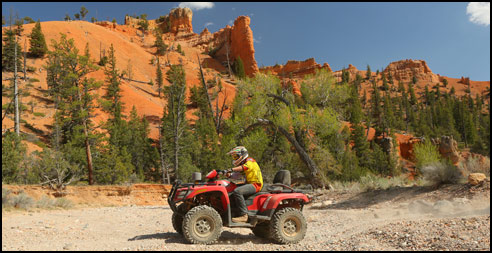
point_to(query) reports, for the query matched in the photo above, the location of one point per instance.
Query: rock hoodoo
(242, 44)
(178, 20)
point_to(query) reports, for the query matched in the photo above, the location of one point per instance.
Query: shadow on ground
(226, 237)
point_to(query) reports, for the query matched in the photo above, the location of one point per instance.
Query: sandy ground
(403, 218)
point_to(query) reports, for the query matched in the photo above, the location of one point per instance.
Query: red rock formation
(464, 80)
(351, 69)
(404, 71)
(296, 69)
(177, 21)
(107, 24)
(241, 40)
(180, 19)
(292, 84)
(448, 148)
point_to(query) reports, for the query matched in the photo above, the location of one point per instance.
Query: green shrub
(437, 173)
(63, 203)
(39, 114)
(426, 153)
(103, 61)
(31, 69)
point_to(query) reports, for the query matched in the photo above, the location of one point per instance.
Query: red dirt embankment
(102, 195)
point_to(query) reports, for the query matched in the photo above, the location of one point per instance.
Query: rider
(254, 180)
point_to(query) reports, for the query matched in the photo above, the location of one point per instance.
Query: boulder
(476, 178)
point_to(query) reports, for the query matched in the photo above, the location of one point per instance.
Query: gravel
(388, 225)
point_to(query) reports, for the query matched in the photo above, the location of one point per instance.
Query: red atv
(275, 212)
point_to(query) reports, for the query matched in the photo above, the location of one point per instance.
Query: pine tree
(239, 68)
(112, 103)
(389, 116)
(385, 83)
(361, 146)
(159, 78)
(83, 12)
(38, 43)
(144, 156)
(13, 152)
(175, 126)
(67, 72)
(411, 91)
(159, 44)
(368, 72)
(376, 110)
(8, 62)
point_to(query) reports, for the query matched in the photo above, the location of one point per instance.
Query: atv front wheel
(202, 225)
(288, 225)
(177, 218)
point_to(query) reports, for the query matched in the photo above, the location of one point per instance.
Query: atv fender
(207, 190)
(272, 201)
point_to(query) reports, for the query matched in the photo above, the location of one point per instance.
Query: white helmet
(239, 154)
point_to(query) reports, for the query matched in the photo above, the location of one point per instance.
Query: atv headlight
(181, 195)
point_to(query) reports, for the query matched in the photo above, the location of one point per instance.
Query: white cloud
(208, 24)
(256, 40)
(230, 22)
(196, 6)
(479, 13)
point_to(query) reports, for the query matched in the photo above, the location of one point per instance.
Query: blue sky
(453, 38)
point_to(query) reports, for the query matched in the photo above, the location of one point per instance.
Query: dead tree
(315, 172)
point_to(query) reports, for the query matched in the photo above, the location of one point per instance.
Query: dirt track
(415, 218)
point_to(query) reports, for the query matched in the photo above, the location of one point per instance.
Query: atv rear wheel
(202, 225)
(262, 230)
(177, 218)
(288, 225)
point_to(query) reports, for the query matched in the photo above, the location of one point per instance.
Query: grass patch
(39, 114)
(474, 165)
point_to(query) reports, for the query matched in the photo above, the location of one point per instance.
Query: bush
(6, 199)
(22, 201)
(103, 61)
(425, 154)
(474, 165)
(63, 203)
(39, 114)
(438, 173)
(45, 202)
(31, 69)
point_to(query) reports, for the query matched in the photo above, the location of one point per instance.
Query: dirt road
(384, 220)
